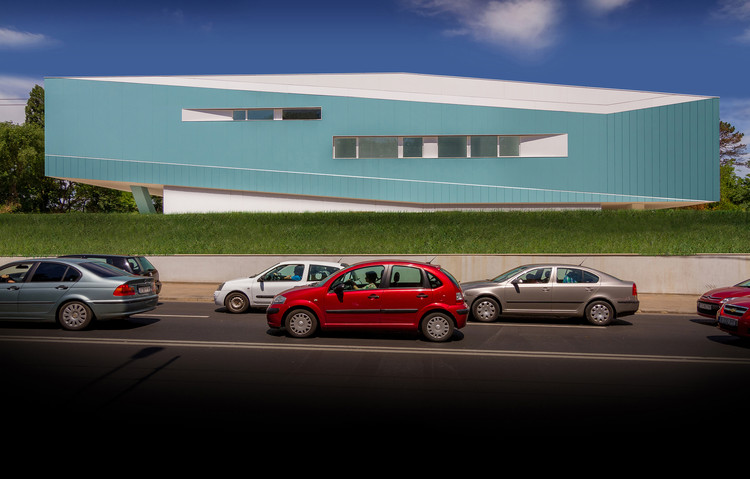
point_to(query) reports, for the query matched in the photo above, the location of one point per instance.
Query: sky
(699, 47)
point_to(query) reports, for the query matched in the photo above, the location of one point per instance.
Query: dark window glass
(47, 272)
(301, 114)
(260, 114)
(483, 146)
(238, 115)
(345, 147)
(509, 145)
(412, 147)
(103, 270)
(452, 147)
(378, 147)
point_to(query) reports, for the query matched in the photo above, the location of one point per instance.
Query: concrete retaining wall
(652, 274)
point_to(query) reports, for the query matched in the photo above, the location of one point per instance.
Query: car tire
(74, 316)
(236, 302)
(437, 327)
(485, 310)
(301, 323)
(600, 313)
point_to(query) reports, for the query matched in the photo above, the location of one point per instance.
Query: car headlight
(278, 299)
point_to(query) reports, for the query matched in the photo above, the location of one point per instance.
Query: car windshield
(146, 263)
(508, 274)
(103, 270)
(745, 284)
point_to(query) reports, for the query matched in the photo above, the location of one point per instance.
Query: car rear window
(103, 270)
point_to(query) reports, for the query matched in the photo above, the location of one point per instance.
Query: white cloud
(14, 93)
(606, 6)
(738, 9)
(10, 38)
(528, 25)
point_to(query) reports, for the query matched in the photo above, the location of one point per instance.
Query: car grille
(708, 308)
(733, 310)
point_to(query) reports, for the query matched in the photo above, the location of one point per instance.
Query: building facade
(393, 141)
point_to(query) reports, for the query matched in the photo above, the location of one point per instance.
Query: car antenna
(581, 263)
(431, 260)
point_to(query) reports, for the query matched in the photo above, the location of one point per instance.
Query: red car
(710, 302)
(375, 295)
(734, 317)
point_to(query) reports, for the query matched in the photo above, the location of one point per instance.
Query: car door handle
(422, 295)
(545, 289)
(373, 296)
(62, 286)
(13, 288)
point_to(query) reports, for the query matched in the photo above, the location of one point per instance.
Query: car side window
(434, 281)
(15, 273)
(536, 275)
(134, 266)
(319, 272)
(49, 272)
(72, 274)
(406, 277)
(285, 272)
(368, 277)
(575, 275)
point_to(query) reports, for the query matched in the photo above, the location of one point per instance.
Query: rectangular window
(483, 146)
(509, 145)
(344, 147)
(238, 115)
(451, 147)
(264, 114)
(378, 147)
(412, 147)
(301, 114)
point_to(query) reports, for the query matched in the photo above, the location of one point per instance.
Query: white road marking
(383, 350)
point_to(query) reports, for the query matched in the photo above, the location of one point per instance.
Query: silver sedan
(552, 290)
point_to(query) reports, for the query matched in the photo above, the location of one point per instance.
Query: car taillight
(459, 297)
(635, 290)
(124, 290)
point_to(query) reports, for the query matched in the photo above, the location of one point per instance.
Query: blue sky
(677, 46)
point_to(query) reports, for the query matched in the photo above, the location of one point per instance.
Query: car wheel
(74, 316)
(437, 327)
(485, 310)
(236, 303)
(599, 313)
(301, 323)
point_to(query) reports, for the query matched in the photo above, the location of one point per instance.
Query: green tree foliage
(735, 189)
(35, 106)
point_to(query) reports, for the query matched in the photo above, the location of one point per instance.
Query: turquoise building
(381, 142)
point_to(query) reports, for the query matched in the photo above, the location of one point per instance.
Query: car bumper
(115, 309)
(627, 307)
(219, 297)
(707, 309)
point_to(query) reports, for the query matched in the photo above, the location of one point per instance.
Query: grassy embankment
(661, 232)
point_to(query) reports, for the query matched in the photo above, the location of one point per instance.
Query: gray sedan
(72, 291)
(552, 290)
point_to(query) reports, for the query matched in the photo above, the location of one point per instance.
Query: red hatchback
(376, 295)
(734, 317)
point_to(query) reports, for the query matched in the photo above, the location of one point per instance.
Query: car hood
(485, 283)
(729, 292)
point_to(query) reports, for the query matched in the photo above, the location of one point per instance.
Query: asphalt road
(193, 367)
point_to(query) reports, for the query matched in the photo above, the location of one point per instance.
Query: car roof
(98, 256)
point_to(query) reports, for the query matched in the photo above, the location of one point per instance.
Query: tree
(731, 148)
(35, 106)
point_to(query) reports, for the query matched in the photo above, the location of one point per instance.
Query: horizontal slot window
(451, 146)
(251, 114)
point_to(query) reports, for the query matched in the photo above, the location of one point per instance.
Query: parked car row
(405, 295)
(302, 297)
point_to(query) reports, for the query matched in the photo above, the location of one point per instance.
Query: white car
(257, 291)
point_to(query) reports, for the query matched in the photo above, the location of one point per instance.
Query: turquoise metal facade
(133, 133)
